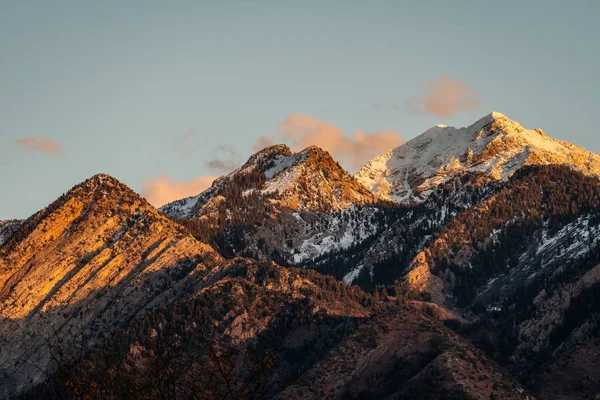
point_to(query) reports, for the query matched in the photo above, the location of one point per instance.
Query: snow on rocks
(494, 145)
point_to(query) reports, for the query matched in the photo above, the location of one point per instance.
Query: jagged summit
(309, 179)
(101, 175)
(100, 180)
(282, 149)
(494, 116)
(265, 155)
(494, 145)
(105, 181)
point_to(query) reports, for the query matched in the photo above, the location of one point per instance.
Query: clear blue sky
(114, 82)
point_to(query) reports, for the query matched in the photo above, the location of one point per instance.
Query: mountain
(509, 243)
(368, 242)
(102, 296)
(223, 294)
(88, 263)
(494, 145)
(310, 180)
(436, 176)
(280, 206)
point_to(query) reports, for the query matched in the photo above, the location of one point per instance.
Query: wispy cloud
(300, 131)
(444, 97)
(222, 166)
(297, 130)
(226, 161)
(162, 189)
(185, 143)
(42, 144)
(228, 149)
(262, 142)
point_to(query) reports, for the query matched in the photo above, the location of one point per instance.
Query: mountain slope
(542, 217)
(385, 359)
(522, 265)
(90, 262)
(402, 232)
(305, 332)
(494, 145)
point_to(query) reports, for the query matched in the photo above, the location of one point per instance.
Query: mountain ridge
(275, 172)
(494, 145)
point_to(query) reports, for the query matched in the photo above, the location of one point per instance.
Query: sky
(165, 96)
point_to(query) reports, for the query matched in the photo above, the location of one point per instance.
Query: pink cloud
(263, 142)
(162, 189)
(44, 145)
(300, 131)
(444, 97)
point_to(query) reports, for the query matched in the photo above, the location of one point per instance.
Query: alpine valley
(463, 264)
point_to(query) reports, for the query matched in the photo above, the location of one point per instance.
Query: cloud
(162, 189)
(444, 97)
(263, 142)
(185, 143)
(300, 131)
(223, 166)
(227, 148)
(44, 145)
(228, 162)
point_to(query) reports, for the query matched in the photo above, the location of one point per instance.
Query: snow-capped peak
(495, 145)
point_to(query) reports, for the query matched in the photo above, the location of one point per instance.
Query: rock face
(494, 145)
(88, 263)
